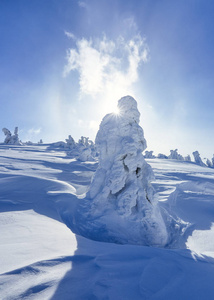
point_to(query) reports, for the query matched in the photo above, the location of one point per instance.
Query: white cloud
(32, 134)
(34, 131)
(130, 23)
(82, 4)
(107, 68)
(70, 35)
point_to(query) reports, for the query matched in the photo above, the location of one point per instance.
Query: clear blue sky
(63, 65)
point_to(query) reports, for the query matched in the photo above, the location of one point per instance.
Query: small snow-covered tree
(187, 158)
(149, 154)
(213, 161)
(11, 139)
(162, 156)
(7, 135)
(209, 163)
(86, 149)
(174, 155)
(123, 206)
(70, 143)
(198, 159)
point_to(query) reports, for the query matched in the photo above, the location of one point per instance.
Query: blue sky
(64, 64)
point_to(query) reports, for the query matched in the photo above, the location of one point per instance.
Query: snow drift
(41, 188)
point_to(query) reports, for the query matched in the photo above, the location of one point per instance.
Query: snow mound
(120, 205)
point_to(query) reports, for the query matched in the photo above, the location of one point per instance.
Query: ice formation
(123, 208)
(11, 139)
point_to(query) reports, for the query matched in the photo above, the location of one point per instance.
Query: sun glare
(116, 111)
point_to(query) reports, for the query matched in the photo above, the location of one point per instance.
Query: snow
(41, 258)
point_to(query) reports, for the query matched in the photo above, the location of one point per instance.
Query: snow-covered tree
(187, 158)
(11, 139)
(162, 156)
(70, 143)
(198, 159)
(209, 163)
(175, 155)
(123, 206)
(149, 154)
(213, 161)
(86, 149)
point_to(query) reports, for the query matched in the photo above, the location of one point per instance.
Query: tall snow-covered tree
(123, 205)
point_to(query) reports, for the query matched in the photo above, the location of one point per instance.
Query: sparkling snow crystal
(123, 208)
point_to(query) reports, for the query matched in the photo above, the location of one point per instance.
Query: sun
(116, 111)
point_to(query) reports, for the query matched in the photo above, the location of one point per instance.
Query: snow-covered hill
(41, 258)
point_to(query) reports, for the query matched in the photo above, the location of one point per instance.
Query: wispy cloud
(34, 131)
(31, 134)
(107, 67)
(70, 35)
(82, 4)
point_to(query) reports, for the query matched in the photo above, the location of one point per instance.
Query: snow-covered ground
(41, 258)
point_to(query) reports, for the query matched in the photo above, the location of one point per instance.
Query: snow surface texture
(121, 203)
(41, 259)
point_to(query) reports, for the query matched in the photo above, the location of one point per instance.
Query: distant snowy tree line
(175, 155)
(85, 149)
(13, 139)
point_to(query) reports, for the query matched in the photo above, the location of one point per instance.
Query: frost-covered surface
(40, 258)
(120, 205)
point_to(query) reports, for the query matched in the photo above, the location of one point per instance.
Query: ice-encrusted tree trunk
(121, 194)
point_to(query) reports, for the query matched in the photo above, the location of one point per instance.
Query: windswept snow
(41, 258)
